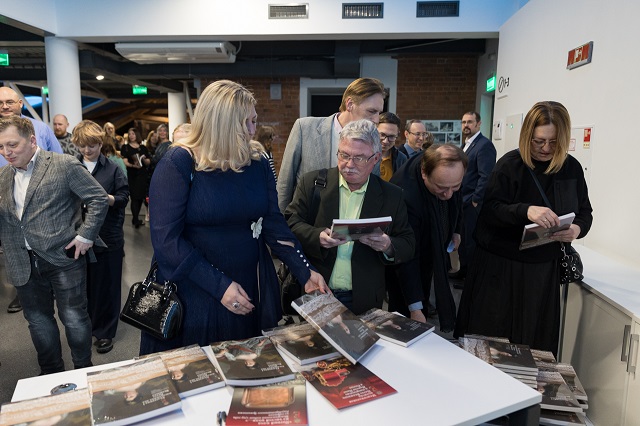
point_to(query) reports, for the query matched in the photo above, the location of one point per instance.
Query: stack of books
(301, 342)
(514, 359)
(69, 408)
(394, 327)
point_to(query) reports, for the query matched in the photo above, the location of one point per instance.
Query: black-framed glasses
(358, 159)
(390, 138)
(419, 135)
(8, 103)
(539, 143)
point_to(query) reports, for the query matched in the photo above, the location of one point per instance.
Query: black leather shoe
(104, 345)
(14, 306)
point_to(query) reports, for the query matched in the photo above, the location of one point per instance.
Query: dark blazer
(381, 199)
(51, 217)
(482, 158)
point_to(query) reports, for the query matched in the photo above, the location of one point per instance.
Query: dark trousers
(136, 205)
(104, 282)
(66, 285)
(468, 244)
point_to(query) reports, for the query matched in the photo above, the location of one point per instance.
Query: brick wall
(430, 87)
(436, 87)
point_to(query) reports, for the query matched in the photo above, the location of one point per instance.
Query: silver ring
(235, 305)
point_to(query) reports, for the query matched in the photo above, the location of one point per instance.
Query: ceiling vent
(178, 52)
(438, 9)
(362, 10)
(289, 11)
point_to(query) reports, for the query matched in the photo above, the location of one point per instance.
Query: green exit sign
(139, 90)
(45, 90)
(4, 59)
(491, 83)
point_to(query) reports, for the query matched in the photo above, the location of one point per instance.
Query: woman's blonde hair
(542, 114)
(219, 137)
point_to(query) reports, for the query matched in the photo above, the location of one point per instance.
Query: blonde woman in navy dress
(213, 216)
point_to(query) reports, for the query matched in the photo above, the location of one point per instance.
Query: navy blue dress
(203, 240)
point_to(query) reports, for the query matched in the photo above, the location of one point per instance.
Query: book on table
(544, 356)
(190, 369)
(132, 393)
(343, 383)
(250, 362)
(353, 229)
(535, 235)
(509, 357)
(337, 324)
(301, 342)
(556, 395)
(395, 327)
(65, 409)
(283, 403)
(562, 418)
(570, 377)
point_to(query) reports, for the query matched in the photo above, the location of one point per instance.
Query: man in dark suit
(45, 240)
(353, 270)
(481, 155)
(431, 181)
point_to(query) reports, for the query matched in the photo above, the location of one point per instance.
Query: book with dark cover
(561, 418)
(131, 393)
(353, 229)
(509, 357)
(65, 409)
(568, 374)
(251, 362)
(301, 342)
(283, 403)
(337, 324)
(345, 384)
(556, 395)
(394, 327)
(191, 370)
(534, 235)
(495, 339)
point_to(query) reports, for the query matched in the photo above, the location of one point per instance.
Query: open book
(353, 229)
(535, 235)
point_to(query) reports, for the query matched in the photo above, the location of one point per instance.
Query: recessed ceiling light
(100, 77)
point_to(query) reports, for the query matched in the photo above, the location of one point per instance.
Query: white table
(437, 383)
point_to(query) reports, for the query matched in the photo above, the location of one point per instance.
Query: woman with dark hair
(214, 214)
(136, 158)
(516, 293)
(266, 135)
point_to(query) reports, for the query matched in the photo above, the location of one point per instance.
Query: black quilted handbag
(153, 307)
(570, 265)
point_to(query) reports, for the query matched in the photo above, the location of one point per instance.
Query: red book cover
(345, 384)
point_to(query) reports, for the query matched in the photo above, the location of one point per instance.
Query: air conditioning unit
(178, 52)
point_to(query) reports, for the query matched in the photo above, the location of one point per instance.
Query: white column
(177, 110)
(63, 79)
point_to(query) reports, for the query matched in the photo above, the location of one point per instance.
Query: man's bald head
(10, 103)
(60, 125)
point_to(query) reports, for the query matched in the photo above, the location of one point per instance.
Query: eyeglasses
(419, 135)
(8, 103)
(390, 138)
(358, 159)
(539, 143)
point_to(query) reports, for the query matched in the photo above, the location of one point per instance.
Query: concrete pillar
(177, 110)
(63, 79)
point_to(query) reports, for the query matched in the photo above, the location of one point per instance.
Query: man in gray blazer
(313, 141)
(45, 240)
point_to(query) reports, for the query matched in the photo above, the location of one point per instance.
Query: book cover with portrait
(341, 327)
(283, 403)
(131, 393)
(190, 369)
(251, 362)
(395, 328)
(345, 384)
(354, 229)
(556, 395)
(65, 409)
(301, 342)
